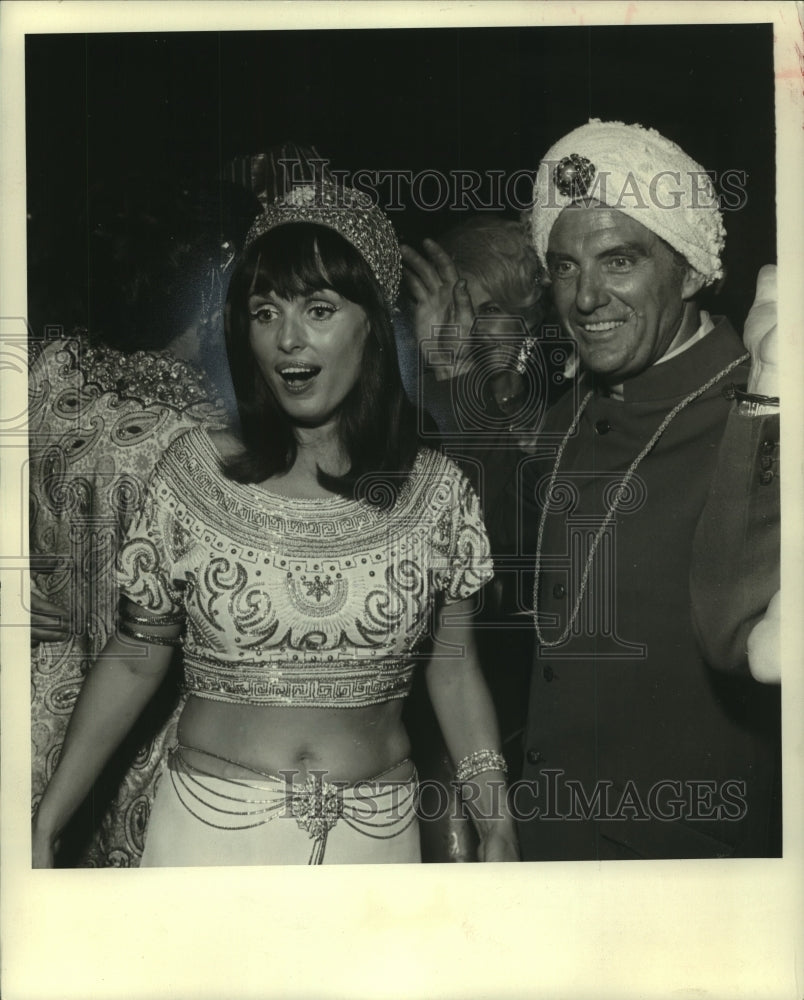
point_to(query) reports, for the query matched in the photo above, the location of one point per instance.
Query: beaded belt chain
(316, 805)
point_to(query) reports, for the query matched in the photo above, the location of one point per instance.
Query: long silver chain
(619, 493)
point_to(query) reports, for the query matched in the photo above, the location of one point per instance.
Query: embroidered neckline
(254, 492)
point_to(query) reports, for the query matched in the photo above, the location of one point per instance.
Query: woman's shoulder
(435, 469)
(440, 493)
(199, 445)
(225, 442)
(190, 472)
(434, 461)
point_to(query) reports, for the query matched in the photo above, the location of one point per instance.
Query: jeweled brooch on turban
(573, 175)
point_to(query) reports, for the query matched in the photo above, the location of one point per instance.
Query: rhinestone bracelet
(176, 618)
(738, 392)
(157, 640)
(476, 763)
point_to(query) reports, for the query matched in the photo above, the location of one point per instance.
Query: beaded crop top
(311, 603)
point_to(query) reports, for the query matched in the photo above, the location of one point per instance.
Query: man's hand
(764, 644)
(761, 335)
(443, 312)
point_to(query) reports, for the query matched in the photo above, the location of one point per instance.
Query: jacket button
(559, 590)
(768, 446)
(548, 674)
(602, 426)
(534, 756)
(766, 462)
(765, 478)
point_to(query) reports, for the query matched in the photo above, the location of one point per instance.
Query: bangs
(377, 424)
(302, 257)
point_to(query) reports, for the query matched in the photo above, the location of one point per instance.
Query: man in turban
(636, 746)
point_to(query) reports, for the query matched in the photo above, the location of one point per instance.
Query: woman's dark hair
(377, 422)
(153, 256)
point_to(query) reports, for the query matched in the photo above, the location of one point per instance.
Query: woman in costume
(306, 566)
(104, 404)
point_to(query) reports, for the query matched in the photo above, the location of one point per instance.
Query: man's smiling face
(619, 290)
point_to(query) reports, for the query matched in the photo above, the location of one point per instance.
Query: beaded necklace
(619, 494)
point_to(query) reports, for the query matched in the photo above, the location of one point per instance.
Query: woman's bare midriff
(349, 744)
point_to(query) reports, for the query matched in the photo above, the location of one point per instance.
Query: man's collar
(700, 357)
(705, 326)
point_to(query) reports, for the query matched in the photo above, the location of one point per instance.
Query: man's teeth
(603, 327)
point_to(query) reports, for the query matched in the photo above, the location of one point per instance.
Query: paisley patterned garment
(98, 422)
(316, 603)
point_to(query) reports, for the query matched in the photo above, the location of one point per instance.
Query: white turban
(641, 174)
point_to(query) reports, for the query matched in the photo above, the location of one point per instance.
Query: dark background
(102, 108)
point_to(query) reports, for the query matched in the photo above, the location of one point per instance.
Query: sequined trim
(148, 376)
(340, 684)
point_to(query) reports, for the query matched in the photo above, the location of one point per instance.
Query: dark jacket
(671, 759)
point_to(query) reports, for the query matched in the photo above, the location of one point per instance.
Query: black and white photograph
(394, 407)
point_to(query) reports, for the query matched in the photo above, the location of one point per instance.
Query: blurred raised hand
(764, 645)
(442, 308)
(761, 335)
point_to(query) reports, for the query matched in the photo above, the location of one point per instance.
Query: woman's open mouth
(298, 377)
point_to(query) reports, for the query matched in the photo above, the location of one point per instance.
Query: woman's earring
(525, 354)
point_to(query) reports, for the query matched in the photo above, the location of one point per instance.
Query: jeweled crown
(349, 212)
